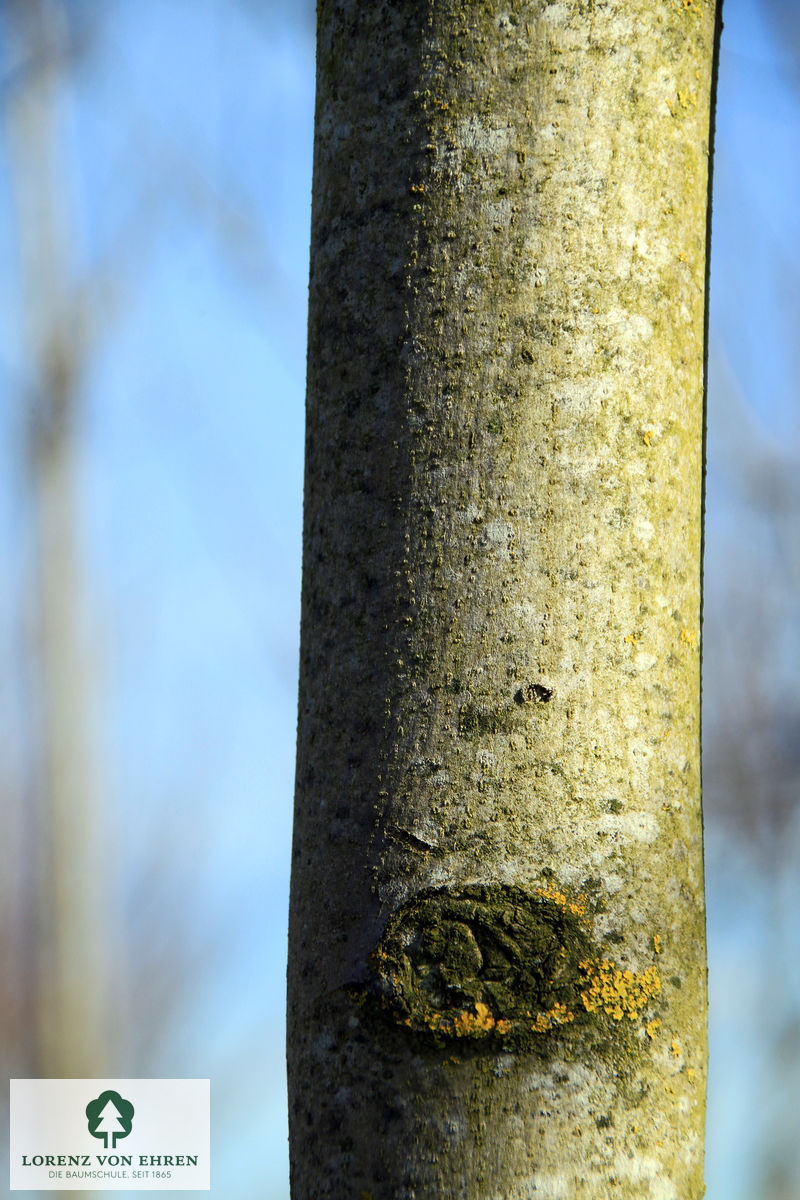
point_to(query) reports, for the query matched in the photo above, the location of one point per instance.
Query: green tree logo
(109, 1116)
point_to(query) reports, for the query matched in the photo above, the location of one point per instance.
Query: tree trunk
(497, 981)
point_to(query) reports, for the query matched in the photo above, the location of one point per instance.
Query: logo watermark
(155, 1134)
(109, 1116)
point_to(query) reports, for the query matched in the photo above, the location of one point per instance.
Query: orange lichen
(675, 1048)
(688, 638)
(618, 993)
(465, 1023)
(657, 942)
(647, 436)
(479, 1021)
(559, 1014)
(577, 906)
(632, 639)
(690, 1074)
(651, 1027)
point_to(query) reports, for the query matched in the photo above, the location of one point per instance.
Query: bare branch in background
(74, 944)
(785, 16)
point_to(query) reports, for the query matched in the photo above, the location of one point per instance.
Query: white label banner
(110, 1134)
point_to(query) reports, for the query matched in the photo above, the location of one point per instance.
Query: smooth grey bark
(497, 978)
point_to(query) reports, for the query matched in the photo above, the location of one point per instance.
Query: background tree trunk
(497, 953)
(74, 1009)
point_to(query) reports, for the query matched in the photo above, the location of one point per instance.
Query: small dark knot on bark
(533, 693)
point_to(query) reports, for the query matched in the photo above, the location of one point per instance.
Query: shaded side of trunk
(497, 948)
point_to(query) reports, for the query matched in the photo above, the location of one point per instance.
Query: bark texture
(497, 980)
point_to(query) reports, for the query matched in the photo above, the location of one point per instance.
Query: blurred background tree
(155, 181)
